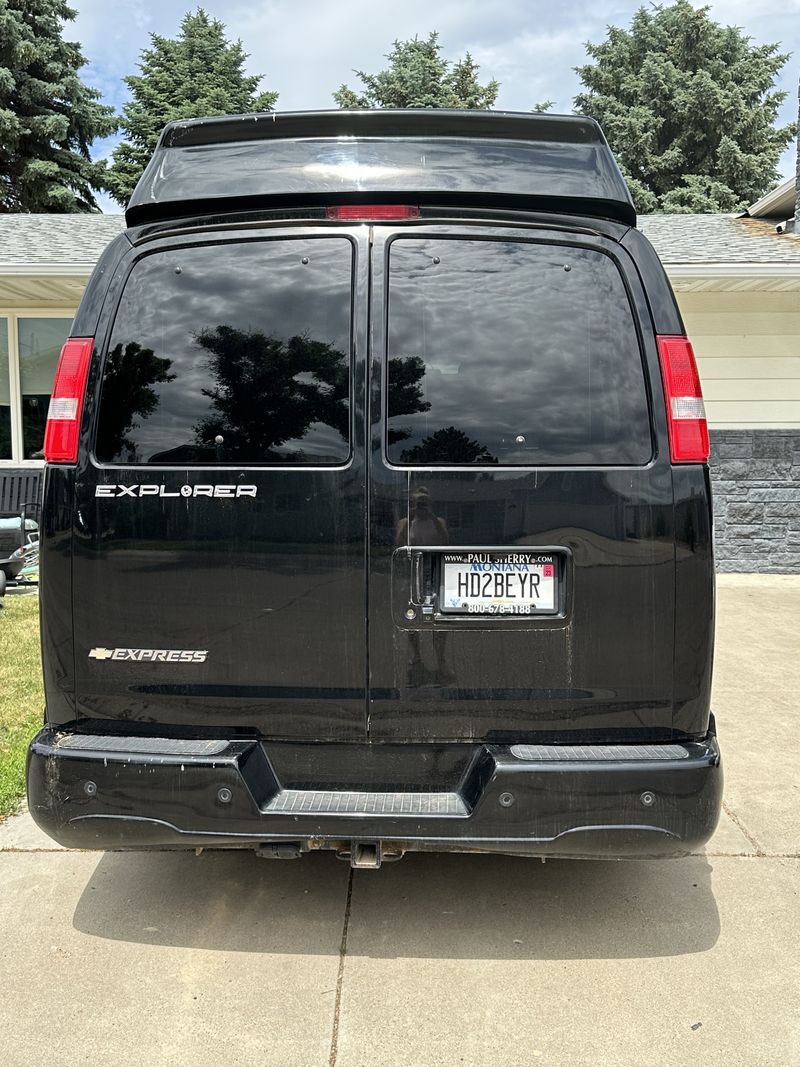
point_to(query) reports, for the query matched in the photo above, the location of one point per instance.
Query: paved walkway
(476, 960)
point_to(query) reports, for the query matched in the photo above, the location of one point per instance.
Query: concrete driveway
(229, 959)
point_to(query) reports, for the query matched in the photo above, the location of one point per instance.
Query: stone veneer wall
(755, 476)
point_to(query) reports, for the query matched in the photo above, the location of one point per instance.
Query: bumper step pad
(338, 802)
(598, 753)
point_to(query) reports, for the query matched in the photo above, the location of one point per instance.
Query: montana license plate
(498, 583)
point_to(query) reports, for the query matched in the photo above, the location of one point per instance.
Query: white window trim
(11, 316)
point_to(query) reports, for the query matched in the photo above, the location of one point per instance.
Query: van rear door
(219, 532)
(521, 550)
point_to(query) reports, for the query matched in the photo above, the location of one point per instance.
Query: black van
(377, 512)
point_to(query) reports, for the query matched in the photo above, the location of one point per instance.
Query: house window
(40, 341)
(5, 394)
(30, 343)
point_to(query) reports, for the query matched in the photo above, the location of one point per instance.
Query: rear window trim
(420, 233)
(173, 241)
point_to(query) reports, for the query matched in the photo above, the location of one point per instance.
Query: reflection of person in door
(422, 527)
(425, 529)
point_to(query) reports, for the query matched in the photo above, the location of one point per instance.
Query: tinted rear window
(508, 352)
(231, 353)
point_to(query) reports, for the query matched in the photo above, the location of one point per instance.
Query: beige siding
(748, 353)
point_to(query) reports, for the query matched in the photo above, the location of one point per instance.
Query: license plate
(498, 583)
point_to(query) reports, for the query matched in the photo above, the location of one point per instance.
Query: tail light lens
(686, 413)
(66, 403)
(372, 212)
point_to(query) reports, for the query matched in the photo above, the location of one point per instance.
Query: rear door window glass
(231, 353)
(511, 353)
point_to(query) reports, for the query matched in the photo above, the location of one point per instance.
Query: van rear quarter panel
(694, 547)
(58, 520)
(56, 594)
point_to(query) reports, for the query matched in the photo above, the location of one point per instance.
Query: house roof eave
(777, 203)
(44, 270)
(733, 270)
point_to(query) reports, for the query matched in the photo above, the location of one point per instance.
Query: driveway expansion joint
(334, 1051)
(732, 815)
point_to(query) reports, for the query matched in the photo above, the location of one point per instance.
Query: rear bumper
(597, 801)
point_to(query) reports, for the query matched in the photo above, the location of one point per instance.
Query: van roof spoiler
(559, 163)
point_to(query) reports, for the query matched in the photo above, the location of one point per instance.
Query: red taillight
(686, 413)
(373, 212)
(66, 403)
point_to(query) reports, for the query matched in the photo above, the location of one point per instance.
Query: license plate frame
(513, 584)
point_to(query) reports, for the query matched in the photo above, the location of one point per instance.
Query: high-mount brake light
(66, 403)
(686, 413)
(372, 212)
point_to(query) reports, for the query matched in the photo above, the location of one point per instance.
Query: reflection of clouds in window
(250, 330)
(315, 165)
(514, 345)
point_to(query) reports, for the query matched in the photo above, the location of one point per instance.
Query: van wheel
(2, 584)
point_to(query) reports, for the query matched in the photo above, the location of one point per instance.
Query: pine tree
(48, 117)
(198, 73)
(689, 108)
(418, 75)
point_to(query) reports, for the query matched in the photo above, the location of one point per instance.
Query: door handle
(416, 577)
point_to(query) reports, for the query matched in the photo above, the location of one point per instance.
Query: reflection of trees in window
(5, 432)
(268, 391)
(404, 393)
(448, 445)
(128, 379)
(34, 420)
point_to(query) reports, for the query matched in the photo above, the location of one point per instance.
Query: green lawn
(21, 697)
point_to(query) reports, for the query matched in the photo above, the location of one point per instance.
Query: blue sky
(306, 48)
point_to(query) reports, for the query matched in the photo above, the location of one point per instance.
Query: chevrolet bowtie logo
(101, 653)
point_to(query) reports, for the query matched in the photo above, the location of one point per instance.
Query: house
(737, 281)
(45, 263)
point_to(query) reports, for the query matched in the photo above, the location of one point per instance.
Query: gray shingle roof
(53, 241)
(708, 239)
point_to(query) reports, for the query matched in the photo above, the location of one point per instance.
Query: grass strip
(21, 695)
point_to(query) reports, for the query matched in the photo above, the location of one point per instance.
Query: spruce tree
(48, 117)
(198, 73)
(689, 108)
(418, 75)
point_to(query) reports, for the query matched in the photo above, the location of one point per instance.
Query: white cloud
(743, 12)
